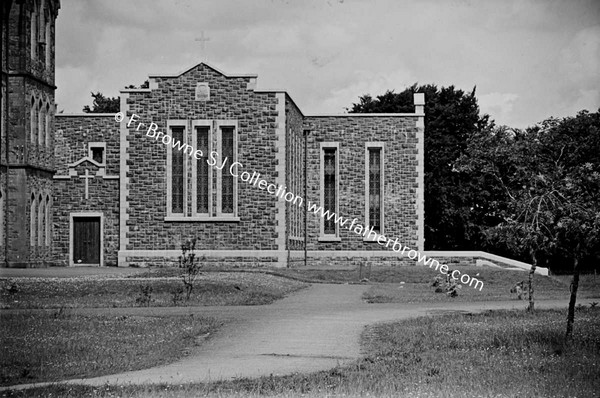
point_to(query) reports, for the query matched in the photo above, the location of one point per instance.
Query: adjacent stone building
(27, 141)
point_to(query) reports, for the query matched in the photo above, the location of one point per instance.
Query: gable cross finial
(203, 39)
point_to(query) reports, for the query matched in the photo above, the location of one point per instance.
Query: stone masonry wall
(399, 135)
(295, 174)
(231, 98)
(73, 134)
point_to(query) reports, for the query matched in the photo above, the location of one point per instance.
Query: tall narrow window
(47, 125)
(33, 119)
(329, 189)
(202, 170)
(32, 222)
(227, 183)
(177, 176)
(374, 187)
(41, 219)
(41, 121)
(34, 34)
(48, 221)
(48, 46)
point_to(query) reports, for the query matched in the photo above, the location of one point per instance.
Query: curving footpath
(314, 329)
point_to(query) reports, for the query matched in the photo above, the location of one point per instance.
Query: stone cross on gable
(203, 39)
(87, 176)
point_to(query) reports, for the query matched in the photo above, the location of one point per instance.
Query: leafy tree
(452, 116)
(575, 144)
(145, 84)
(103, 104)
(551, 178)
(523, 197)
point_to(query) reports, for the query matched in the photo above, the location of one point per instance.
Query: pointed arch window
(47, 126)
(33, 222)
(33, 118)
(40, 221)
(34, 33)
(41, 122)
(48, 221)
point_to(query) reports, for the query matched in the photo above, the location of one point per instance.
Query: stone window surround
(102, 145)
(48, 221)
(41, 219)
(195, 124)
(322, 146)
(214, 132)
(40, 120)
(33, 220)
(170, 124)
(381, 145)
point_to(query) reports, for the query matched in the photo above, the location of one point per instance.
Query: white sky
(530, 59)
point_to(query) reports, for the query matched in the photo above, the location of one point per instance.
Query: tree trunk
(531, 272)
(573, 300)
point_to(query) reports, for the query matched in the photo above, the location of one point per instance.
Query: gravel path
(314, 329)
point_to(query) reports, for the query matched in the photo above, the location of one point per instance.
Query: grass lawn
(387, 286)
(497, 284)
(59, 345)
(212, 288)
(494, 354)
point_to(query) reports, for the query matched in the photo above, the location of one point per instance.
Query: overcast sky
(529, 59)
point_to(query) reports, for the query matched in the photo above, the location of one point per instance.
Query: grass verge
(494, 354)
(497, 284)
(214, 288)
(59, 345)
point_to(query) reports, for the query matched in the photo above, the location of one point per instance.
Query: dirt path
(314, 329)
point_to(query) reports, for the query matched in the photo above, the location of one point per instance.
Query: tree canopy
(516, 193)
(103, 104)
(452, 117)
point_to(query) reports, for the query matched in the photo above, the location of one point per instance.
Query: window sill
(329, 239)
(374, 238)
(202, 219)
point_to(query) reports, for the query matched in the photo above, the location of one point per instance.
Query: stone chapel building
(122, 197)
(86, 189)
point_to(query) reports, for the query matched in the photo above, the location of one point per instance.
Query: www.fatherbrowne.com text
(279, 191)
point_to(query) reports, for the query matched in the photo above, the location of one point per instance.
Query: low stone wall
(227, 262)
(459, 258)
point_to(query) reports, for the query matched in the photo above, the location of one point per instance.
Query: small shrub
(177, 296)
(449, 285)
(145, 297)
(13, 288)
(519, 290)
(452, 286)
(191, 266)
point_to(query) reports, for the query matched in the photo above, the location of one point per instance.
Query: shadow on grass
(500, 353)
(59, 345)
(159, 291)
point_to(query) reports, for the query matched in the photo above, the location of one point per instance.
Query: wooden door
(86, 240)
